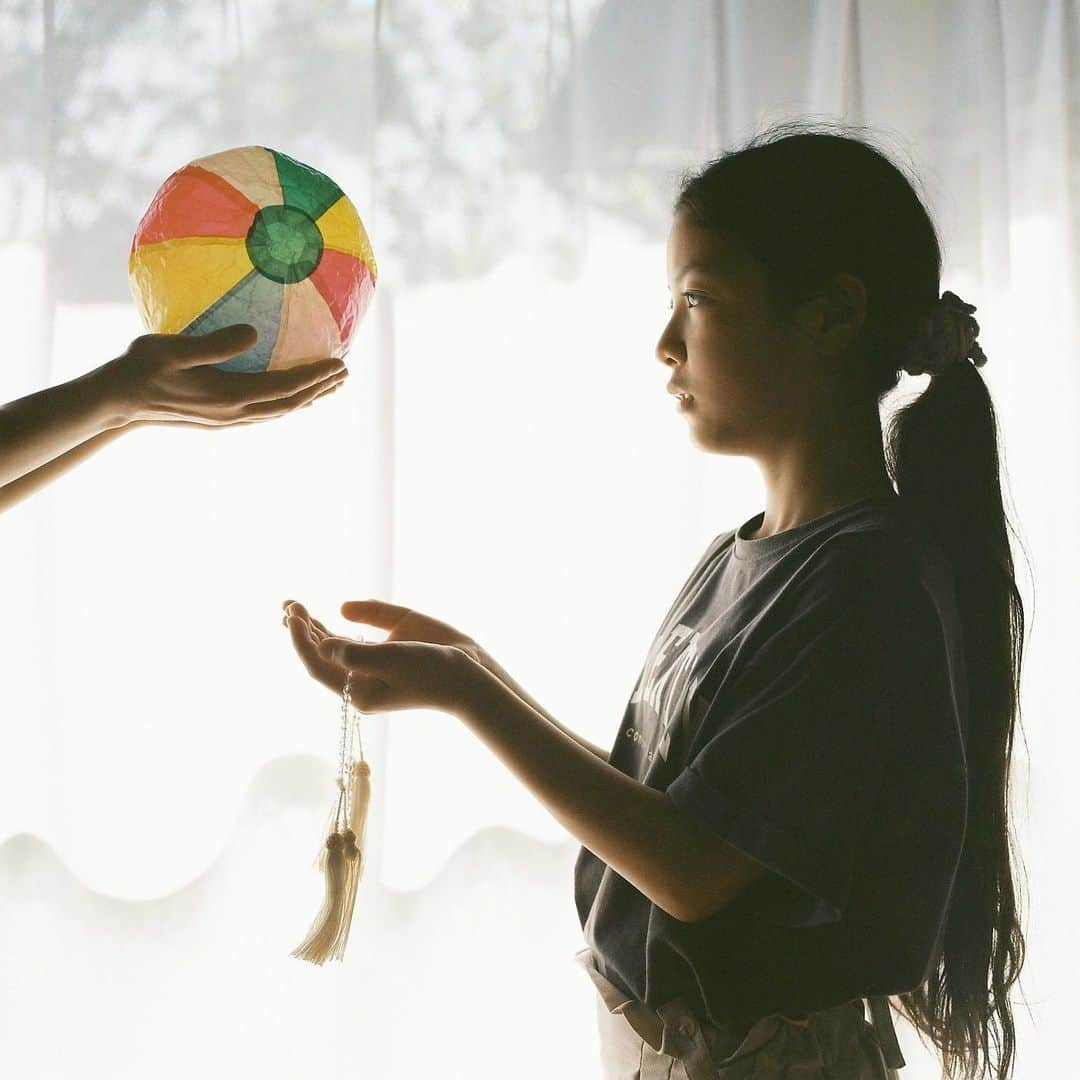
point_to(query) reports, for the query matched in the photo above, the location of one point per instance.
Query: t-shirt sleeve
(790, 755)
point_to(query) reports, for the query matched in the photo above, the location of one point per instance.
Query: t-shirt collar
(769, 546)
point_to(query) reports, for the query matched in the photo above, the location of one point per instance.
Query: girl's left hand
(388, 675)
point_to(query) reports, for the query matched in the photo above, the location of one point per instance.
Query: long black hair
(806, 199)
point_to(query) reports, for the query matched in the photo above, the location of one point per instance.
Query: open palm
(401, 624)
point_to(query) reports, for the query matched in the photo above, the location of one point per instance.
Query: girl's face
(748, 377)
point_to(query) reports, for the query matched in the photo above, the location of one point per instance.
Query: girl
(805, 808)
(161, 379)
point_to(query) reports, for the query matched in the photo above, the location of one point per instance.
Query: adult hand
(164, 379)
(423, 663)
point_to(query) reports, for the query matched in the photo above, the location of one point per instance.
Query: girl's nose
(666, 350)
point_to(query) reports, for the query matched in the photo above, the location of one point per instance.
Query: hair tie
(946, 336)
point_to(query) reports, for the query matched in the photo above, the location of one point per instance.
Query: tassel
(360, 796)
(352, 880)
(319, 944)
(334, 825)
(341, 858)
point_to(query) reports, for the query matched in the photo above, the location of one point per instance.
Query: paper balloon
(251, 235)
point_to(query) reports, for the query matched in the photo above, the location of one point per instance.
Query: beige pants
(671, 1043)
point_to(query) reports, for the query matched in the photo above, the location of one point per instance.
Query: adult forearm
(17, 490)
(41, 427)
(503, 676)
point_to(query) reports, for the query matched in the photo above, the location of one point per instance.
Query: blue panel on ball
(256, 300)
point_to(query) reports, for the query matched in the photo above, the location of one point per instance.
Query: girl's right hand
(164, 379)
(402, 624)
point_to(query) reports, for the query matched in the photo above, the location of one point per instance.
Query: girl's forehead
(693, 244)
(700, 251)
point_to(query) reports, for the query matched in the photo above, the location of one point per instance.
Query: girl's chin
(710, 435)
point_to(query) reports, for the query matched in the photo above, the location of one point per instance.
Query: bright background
(504, 457)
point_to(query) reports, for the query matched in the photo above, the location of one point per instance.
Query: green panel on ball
(305, 188)
(284, 244)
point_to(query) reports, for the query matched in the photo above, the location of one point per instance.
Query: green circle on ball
(284, 244)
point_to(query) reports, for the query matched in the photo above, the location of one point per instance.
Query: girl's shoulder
(891, 559)
(886, 542)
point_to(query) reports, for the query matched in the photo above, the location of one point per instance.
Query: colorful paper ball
(251, 235)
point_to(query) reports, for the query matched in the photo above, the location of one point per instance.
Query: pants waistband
(659, 1027)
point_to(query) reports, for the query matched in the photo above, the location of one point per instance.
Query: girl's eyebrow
(701, 268)
(705, 269)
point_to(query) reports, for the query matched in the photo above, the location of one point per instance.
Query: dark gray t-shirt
(806, 698)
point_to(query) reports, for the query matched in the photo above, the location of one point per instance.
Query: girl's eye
(688, 295)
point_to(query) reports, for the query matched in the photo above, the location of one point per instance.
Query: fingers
(319, 667)
(294, 607)
(326, 657)
(271, 411)
(330, 386)
(376, 668)
(325, 390)
(191, 350)
(278, 406)
(356, 656)
(271, 385)
(298, 611)
(374, 613)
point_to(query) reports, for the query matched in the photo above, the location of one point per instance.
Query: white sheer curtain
(504, 457)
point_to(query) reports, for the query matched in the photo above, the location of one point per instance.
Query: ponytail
(942, 451)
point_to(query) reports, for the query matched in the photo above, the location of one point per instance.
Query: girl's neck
(823, 468)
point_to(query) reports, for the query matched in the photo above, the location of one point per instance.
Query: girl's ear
(844, 312)
(833, 318)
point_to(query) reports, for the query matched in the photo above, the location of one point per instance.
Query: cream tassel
(360, 797)
(341, 857)
(318, 945)
(358, 804)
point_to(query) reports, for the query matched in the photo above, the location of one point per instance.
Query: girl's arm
(681, 866)
(503, 676)
(162, 378)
